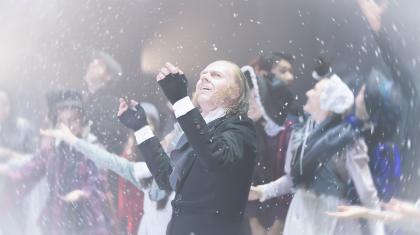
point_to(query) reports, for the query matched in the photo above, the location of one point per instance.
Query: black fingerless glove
(134, 118)
(174, 86)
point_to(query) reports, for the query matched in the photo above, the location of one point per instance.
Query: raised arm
(131, 171)
(133, 116)
(277, 188)
(218, 148)
(282, 185)
(400, 72)
(107, 160)
(357, 164)
(212, 149)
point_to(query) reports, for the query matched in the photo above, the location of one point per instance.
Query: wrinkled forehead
(223, 67)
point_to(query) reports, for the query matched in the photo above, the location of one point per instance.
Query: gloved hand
(173, 82)
(133, 116)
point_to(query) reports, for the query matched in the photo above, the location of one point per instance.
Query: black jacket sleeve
(220, 147)
(320, 151)
(157, 161)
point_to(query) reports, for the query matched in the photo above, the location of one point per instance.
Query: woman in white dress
(344, 161)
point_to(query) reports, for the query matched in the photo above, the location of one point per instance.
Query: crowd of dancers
(243, 156)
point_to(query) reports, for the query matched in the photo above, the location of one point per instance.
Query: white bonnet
(337, 96)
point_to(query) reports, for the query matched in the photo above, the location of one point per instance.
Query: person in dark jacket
(102, 77)
(272, 77)
(381, 101)
(211, 168)
(383, 109)
(268, 217)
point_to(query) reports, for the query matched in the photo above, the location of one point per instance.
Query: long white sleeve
(281, 186)
(141, 170)
(357, 164)
(284, 184)
(131, 171)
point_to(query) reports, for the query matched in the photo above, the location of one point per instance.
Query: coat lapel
(185, 157)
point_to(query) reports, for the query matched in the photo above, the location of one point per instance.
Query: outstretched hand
(406, 209)
(254, 194)
(63, 133)
(373, 12)
(173, 82)
(132, 115)
(356, 212)
(349, 212)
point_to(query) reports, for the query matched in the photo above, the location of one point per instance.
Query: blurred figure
(391, 103)
(77, 202)
(281, 67)
(130, 198)
(17, 137)
(156, 207)
(380, 102)
(17, 144)
(272, 80)
(267, 217)
(321, 163)
(101, 78)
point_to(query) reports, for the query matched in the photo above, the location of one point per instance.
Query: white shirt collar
(215, 114)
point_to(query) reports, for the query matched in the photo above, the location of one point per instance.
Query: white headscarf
(337, 96)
